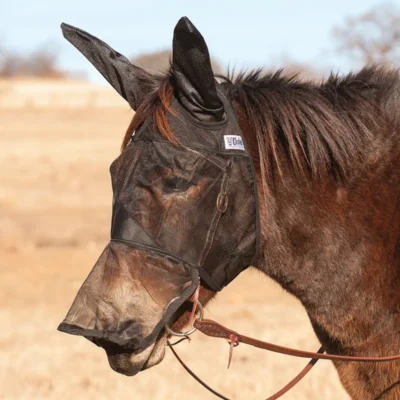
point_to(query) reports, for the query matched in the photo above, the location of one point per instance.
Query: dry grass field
(55, 207)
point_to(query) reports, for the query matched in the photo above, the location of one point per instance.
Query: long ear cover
(131, 82)
(194, 78)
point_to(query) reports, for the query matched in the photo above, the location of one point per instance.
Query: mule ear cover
(194, 77)
(131, 82)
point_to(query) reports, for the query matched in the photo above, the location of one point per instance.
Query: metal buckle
(190, 331)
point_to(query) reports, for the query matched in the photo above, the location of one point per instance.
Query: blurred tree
(373, 37)
(42, 62)
(304, 71)
(153, 62)
(291, 67)
(158, 61)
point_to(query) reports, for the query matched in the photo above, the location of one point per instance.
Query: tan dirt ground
(55, 203)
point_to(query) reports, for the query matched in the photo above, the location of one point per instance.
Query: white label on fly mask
(233, 142)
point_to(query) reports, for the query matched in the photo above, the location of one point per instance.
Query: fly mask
(183, 212)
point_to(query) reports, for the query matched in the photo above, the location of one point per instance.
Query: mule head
(184, 204)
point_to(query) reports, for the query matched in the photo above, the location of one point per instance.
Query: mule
(316, 208)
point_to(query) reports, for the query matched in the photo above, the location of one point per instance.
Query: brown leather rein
(214, 329)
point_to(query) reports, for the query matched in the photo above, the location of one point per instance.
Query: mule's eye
(176, 185)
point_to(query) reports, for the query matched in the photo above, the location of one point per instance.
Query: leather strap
(214, 329)
(209, 388)
(275, 396)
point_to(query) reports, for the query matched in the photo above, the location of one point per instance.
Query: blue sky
(245, 34)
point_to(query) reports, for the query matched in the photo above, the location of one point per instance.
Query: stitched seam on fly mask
(84, 284)
(123, 183)
(243, 154)
(135, 220)
(210, 281)
(150, 295)
(254, 188)
(102, 285)
(155, 250)
(221, 167)
(197, 150)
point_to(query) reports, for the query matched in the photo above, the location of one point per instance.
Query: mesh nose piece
(121, 302)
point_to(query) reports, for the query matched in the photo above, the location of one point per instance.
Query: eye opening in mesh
(176, 184)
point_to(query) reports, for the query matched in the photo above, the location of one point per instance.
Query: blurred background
(60, 128)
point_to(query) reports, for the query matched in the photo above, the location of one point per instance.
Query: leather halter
(214, 329)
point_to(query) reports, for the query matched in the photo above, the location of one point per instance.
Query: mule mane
(312, 128)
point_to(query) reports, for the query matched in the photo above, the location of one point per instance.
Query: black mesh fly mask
(183, 212)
